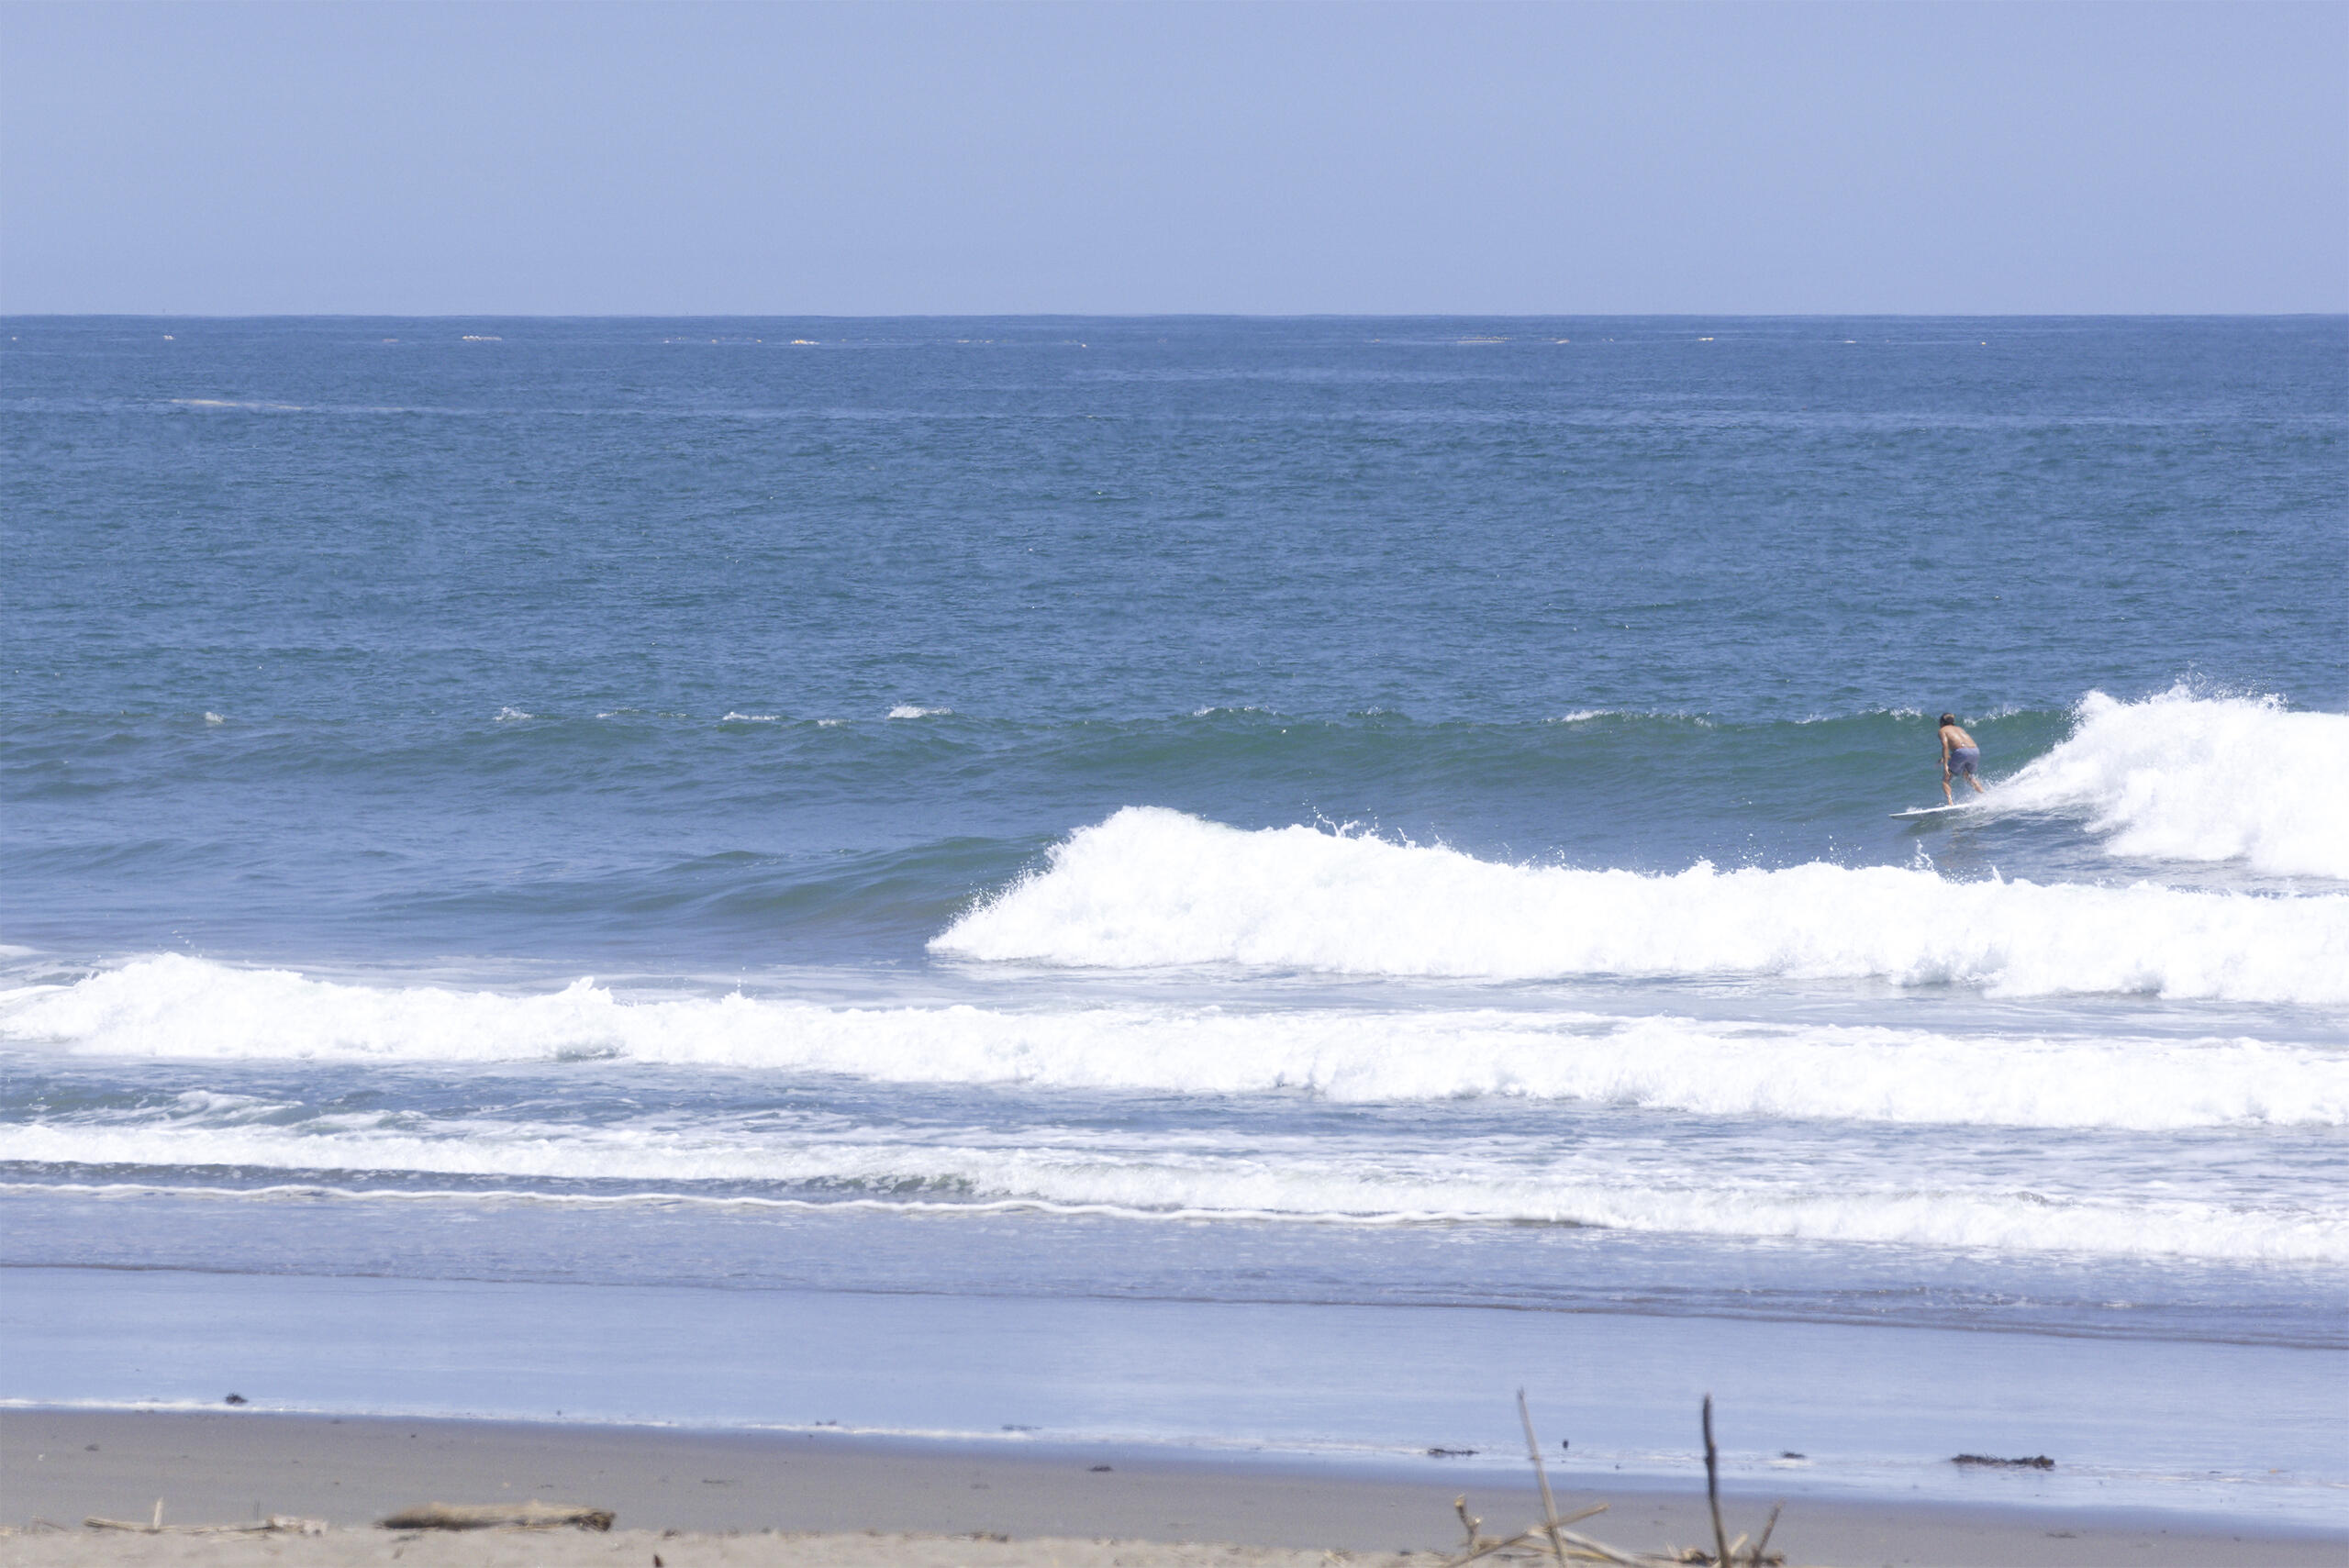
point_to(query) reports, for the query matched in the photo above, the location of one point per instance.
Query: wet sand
(821, 1494)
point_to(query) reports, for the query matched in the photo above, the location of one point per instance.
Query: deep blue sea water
(1276, 817)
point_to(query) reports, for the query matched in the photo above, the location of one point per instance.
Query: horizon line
(1173, 315)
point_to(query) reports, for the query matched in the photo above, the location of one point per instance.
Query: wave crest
(2184, 777)
(1151, 887)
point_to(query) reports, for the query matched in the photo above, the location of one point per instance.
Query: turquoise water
(1333, 814)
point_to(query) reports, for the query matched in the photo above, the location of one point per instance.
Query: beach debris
(1551, 1538)
(2036, 1462)
(1562, 1543)
(530, 1514)
(1100, 1470)
(1450, 1452)
(1728, 1553)
(276, 1524)
(235, 1399)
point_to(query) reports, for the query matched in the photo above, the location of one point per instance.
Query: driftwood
(276, 1524)
(1728, 1553)
(1550, 1538)
(530, 1514)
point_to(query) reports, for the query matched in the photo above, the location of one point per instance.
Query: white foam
(908, 711)
(2183, 777)
(1151, 887)
(1773, 1179)
(1586, 715)
(175, 1007)
(732, 717)
(512, 714)
(1200, 1177)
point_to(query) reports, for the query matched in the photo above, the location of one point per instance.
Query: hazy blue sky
(881, 158)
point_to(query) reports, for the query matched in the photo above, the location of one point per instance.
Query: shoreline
(2246, 1432)
(62, 1464)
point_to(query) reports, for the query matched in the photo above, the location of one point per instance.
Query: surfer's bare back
(1959, 755)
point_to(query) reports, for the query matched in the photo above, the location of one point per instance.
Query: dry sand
(636, 1548)
(716, 1498)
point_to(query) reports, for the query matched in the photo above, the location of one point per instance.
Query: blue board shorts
(1964, 759)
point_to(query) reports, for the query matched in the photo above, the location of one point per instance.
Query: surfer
(1959, 755)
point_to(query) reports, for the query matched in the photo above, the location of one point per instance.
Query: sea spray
(2185, 777)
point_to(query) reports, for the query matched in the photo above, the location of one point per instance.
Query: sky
(882, 159)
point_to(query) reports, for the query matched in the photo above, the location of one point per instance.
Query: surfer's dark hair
(1949, 718)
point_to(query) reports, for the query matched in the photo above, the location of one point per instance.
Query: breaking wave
(187, 1008)
(1151, 887)
(2183, 777)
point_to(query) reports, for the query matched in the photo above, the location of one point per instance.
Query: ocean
(1255, 883)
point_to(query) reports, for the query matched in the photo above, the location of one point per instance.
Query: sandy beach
(696, 1498)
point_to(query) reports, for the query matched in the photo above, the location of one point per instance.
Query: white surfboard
(1934, 810)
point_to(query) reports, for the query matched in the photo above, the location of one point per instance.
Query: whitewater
(2183, 775)
(177, 1008)
(1151, 886)
(2175, 777)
